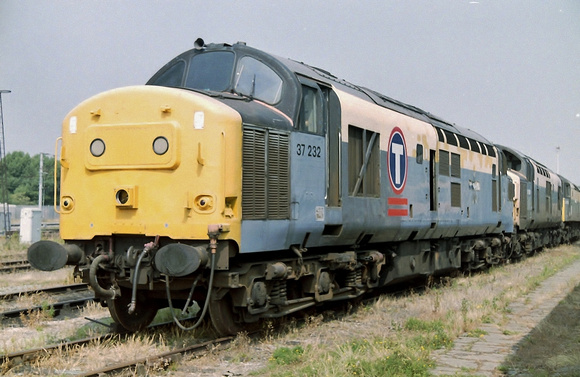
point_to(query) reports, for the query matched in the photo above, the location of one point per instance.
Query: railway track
(76, 302)
(10, 360)
(80, 287)
(13, 266)
(29, 355)
(56, 307)
(168, 355)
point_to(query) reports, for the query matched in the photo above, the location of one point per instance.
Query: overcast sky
(508, 69)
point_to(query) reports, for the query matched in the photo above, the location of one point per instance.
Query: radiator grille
(455, 195)
(494, 206)
(444, 163)
(265, 174)
(455, 165)
(278, 176)
(523, 200)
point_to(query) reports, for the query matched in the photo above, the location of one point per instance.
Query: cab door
(308, 189)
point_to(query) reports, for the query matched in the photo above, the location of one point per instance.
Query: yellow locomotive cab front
(142, 162)
(191, 159)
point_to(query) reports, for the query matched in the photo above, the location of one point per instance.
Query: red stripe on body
(397, 212)
(397, 201)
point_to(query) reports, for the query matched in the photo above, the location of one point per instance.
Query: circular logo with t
(397, 160)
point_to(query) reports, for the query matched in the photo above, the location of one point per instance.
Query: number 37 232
(308, 150)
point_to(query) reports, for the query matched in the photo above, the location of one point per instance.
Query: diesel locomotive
(258, 186)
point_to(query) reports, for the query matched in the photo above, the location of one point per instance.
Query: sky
(507, 69)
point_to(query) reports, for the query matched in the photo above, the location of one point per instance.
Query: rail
(45, 226)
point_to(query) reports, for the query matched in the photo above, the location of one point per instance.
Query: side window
(255, 79)
(462, 141)
(440, 135)
(450, 136)
(363, 162)
(474, 145)
(311, 114)
(419, 153)
(173, 76)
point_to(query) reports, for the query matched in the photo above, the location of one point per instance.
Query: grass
(37, 317)
(34, 279)
(12, 244)
(398, 335)
(11, 249)
(359, 357)
(287, 356)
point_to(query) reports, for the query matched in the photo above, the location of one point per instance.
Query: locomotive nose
(178, 259)
(50, 256)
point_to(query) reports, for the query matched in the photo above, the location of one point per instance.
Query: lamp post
(41, 180)
(558, 159)
(3, 174)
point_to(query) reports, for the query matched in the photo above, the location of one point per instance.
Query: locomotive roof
(288, 68)
(378, 98)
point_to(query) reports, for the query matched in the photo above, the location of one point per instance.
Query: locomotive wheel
(143, 315)
(224, 320)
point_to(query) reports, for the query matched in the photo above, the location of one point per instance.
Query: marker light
(97, 147)
(160, 145)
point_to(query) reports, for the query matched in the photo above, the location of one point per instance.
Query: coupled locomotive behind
(258, 186)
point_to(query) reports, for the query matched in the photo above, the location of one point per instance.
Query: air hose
(133, 303)
(149, 246)
(100, 291)
(205, 306)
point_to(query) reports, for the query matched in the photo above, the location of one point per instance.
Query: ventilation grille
(455, 195)
(494, 206)
(444, 163)
(523, 200)
(278, 176)
(455, 165)
(265, 175)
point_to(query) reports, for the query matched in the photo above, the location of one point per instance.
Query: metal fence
(49, 215)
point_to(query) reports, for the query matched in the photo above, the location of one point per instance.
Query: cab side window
(311, 117)
(257, 80)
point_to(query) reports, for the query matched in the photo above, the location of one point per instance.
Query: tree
(22, 173)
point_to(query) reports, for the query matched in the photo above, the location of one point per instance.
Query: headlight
(160, 145)
(97, 147)
(122, 197)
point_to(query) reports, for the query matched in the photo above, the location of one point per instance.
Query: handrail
(56, 209)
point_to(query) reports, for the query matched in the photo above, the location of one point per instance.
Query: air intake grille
(455, 195)
(266, 175)
(455, 165)
(523, 200)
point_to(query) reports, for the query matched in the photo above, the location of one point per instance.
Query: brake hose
(205, 306)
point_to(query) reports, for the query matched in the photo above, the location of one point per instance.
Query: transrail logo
(397, 160)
